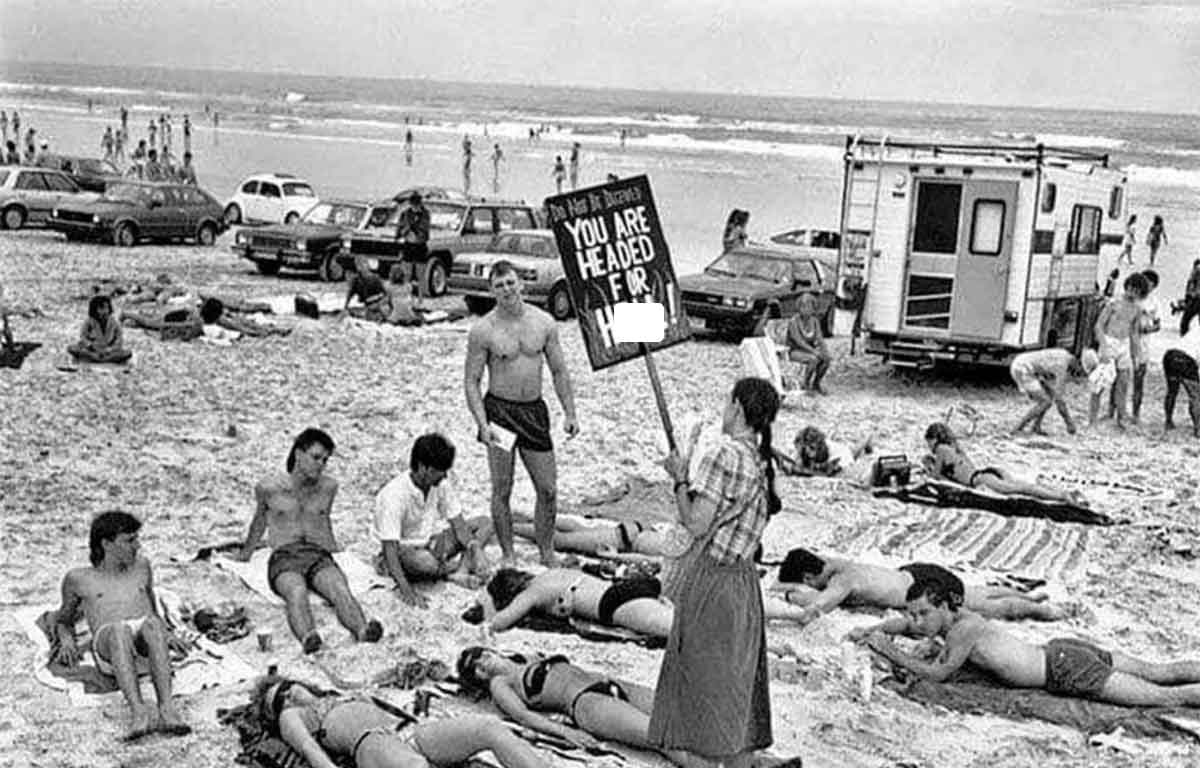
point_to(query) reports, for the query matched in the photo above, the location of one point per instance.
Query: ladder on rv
(860, 212)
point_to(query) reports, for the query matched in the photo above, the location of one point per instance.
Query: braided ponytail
(760, 404)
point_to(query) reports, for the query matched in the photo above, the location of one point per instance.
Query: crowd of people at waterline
(696, 586)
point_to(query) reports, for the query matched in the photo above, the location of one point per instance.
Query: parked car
(456, 226)
(270, 198)
(825, 244)
(429, 193)
(28, 195)
(312, 242)
(131, 211)
(748, 285)
(534, 253)
(91, 173)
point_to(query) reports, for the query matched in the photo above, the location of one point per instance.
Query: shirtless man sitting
(511, 342)
(839, 581)
(1063, 666)
(129, 638)
(421, 529)
(294, 510)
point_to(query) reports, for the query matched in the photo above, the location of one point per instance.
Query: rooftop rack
(1012, 152)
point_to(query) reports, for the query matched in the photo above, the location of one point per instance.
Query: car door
(34, 194)
(62, 188)
(248, 199)
(156, 213)
(270, 202)
(181, 218)
(478, 229)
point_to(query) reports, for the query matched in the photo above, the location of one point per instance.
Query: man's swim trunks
(302, 557)
(530, 421)
(1178, 364)
(622, 592)
(1076, 668)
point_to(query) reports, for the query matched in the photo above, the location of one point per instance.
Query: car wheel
(435, 283)
(827, 321)
(291, 218)
(207, 235)
(125, 236)
(233, 215)
(14, 217)
(331, 270)
(559, 302)
(479, 305)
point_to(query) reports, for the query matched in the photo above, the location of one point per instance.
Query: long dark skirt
(712, 696)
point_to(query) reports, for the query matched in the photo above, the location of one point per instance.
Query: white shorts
(1118, 351)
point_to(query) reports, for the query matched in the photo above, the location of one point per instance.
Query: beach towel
(972, 692)
(943, 493)
(206, 665)
(360, 575)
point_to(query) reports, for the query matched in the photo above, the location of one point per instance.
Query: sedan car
(91, 173)
(28, 195)
(534, 253)
(131, 211)
(313, 242)
(749, 285)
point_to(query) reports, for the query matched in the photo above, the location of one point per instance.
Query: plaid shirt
(733, 477)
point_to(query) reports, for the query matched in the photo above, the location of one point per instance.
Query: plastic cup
(265, 640)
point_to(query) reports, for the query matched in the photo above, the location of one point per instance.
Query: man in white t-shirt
(422, 532)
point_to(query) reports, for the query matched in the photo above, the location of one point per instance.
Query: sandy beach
(180, 437)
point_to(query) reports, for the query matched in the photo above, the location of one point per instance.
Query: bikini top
(533, 680)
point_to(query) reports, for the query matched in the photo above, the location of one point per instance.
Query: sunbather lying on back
(948, 460)
(835, 581)
(1064, 666)
(627, 540)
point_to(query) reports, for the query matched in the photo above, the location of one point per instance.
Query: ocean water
(705, 153)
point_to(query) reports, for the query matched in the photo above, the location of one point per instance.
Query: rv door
(984, 259)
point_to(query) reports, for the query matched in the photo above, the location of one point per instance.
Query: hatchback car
(749, 285)
(534, 253)
(132, 211)
(91, 173)
(270, 198)
(28, 195)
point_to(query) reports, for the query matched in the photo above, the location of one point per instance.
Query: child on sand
(1117, 331)
(100, 338)
(1064, 666)
(116, 596)
(1041, 375)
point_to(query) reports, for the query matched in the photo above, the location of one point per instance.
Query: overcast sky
(1130, 54)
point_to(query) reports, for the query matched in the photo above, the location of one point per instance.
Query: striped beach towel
(1023, 546)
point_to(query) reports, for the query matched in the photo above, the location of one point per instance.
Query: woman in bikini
(627, 540)
(634, 604)
(320, 726)
(947, 460)
(599, 707)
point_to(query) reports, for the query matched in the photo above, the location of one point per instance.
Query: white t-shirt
(841, 453)
(405, 514)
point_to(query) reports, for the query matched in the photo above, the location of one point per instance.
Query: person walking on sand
(124, 119)
(1191, 299)
(16, 126)
(712, 699)
(1156, 237)
(559, 173)
(408, 146)
(187, 135)
(294, 510)
(575, 165)
(468, 153)
(106, 143)
(497, 156)
(3, 127)
(129, 638)
(1128, 241)
(510, 342)
(119, 146)
(152, 133)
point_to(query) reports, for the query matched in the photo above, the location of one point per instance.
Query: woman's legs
(648, 615)
(456, 740)
(1007, 484)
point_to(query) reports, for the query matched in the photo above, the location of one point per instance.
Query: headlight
(735, 301)
(300, 245)
(372, 264)
(54, 213)
(345, 243)
(241, 238)
(95, 218)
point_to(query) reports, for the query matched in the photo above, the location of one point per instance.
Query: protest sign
(613, 251)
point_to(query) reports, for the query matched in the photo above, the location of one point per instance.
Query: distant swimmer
(408, 146)
(560, 173)
(575, 165)
(497, 156)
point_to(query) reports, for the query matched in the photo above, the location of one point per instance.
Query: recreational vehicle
(974, 252)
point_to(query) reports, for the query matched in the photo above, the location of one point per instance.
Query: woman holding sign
(712, 699)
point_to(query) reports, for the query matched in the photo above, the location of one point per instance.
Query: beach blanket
(359, 574)
(206, 664)
(1030, 547)
(972, 692)
(941, 493)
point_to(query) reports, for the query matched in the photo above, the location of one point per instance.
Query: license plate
(295, 260)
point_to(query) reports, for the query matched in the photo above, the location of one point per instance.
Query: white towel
(360, 575)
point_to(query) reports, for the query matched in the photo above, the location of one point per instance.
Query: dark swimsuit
(623, 591)
(529, 421)
(326, 705)
(627, 538)
(533, 681)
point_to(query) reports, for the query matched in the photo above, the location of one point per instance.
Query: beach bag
(760, 360)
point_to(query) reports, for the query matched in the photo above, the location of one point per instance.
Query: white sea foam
(1166, 176)
(1069, 140)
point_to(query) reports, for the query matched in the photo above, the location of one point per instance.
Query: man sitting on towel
(116, 596)
(835, 581)
(421, 529)
(1063, 666)
(294, 511)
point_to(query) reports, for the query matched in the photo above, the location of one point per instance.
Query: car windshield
(298, 189)
(524, 245)
(91, 165)
(753, 266)
(336, 215)
(134, 193)
(447, 218)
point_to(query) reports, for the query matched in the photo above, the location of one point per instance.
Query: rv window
(1116, 202)
(936, 228)
(1085, 229)
(1049, 196)
(987, 227)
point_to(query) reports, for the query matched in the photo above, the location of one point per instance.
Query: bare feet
(372, 632)
(170, 722)
(311, 642)
(141, 722)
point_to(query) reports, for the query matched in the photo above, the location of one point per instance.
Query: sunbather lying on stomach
(835, 581)
(1063, 666)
